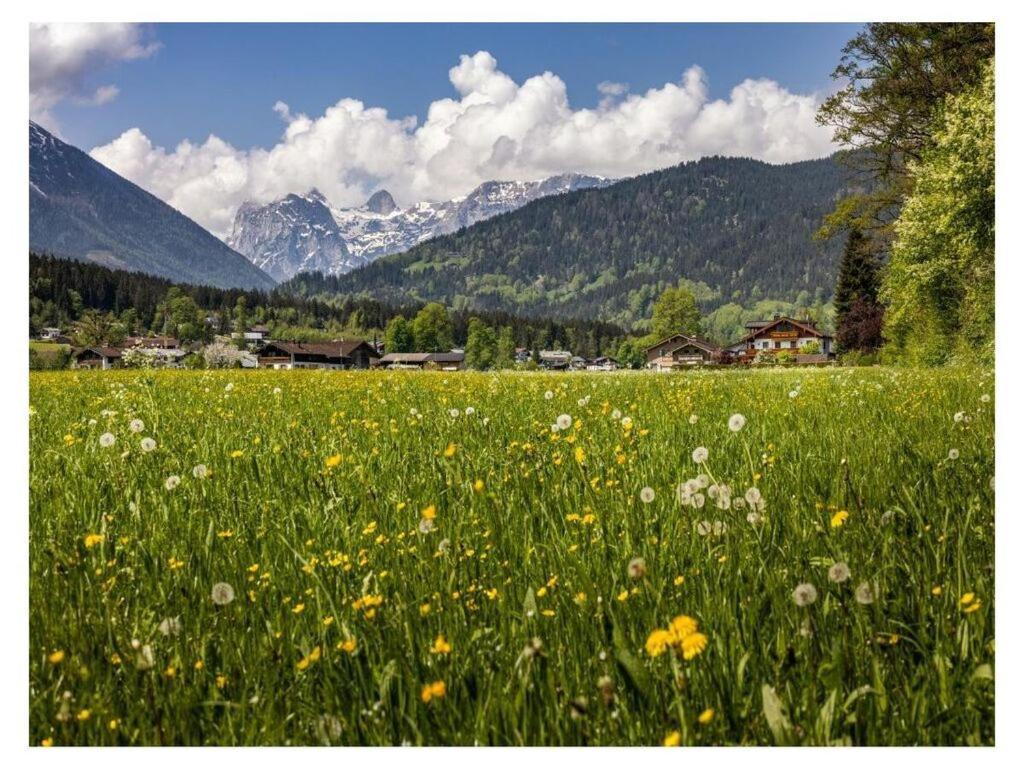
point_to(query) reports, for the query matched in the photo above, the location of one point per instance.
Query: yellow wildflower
(706, 716)
(332, 461)
(441, 646)
(56, 657)
(839, 518)
(673, 739)
(92, 539)
(435, 690)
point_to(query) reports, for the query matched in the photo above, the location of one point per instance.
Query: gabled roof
(799, 323)
(707, 346)
(319, 348)
(162, 342)
(114, 352)
(684, 340)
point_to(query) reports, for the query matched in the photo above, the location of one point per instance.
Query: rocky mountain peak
(381, 202)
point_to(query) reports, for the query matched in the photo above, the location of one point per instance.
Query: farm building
(102, 358)
(783, 333)
(286, 355)
(445, 361)
(681, 351)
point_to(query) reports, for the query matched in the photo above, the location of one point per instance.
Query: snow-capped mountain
(302, 233)
(294, 234)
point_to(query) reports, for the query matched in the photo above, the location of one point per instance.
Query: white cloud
(62, 56)
(495, 129)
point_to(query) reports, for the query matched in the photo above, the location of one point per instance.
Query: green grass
(532, 587)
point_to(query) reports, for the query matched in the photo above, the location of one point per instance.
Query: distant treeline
(61, 291)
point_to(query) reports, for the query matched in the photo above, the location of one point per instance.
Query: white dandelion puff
(627, 422)
(637, 568)
(697, 500)
(647, 494)
(693, 418)
(736, 422)
(222, 593)
(865, 593)
(470, 410)
(426, 525)
(454, 412)
(703, 528)
(136, 425)
(700, 455)
(954, 454)
(754, 518)
(564, 421)
(548, 395)
(793, 393)
(229, 386)
(958, 416)
(616, 414)
(172, 482)
(703, 481)
(805, 594)
(753, 496)
(839, 573)
(199, 471)
(107, 439)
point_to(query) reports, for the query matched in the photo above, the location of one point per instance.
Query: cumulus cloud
(496, 128)
(63, 56)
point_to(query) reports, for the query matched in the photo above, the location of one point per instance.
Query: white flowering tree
(222, 355)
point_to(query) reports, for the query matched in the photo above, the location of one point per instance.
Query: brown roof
(164, 342)
(707, 346)
(799, 323)
(320, 348)
(710, 346)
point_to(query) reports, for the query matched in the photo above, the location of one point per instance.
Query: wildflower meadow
(425, 558)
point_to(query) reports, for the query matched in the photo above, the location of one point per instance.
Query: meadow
(304, 557)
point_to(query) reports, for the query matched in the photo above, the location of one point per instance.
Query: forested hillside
(741, 227)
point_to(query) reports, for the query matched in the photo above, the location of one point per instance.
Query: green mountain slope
(742, 227)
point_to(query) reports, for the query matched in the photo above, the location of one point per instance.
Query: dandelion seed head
(736, 422)
(172, 482)
(838, 573)
(693, 418)
(954, 454)
(647, 494)
(805, 594)
(148, 444)
(700, 455)
(199, 471)
(865, 593)
(564, 421)
(170, 626)
(107, 439)
(752, 496)
(136, 425)
(637, 568)
(222, 593)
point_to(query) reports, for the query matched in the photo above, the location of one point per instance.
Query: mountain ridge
(738, 229)
(80, 209)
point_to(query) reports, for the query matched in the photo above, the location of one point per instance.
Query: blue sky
(224, 78)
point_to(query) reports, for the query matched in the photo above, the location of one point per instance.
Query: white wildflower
(222, 593)
(148, 444)
(839, 573)
(136, 425)
(647, 494)
(564, 421)
(805, 594)
(107, 439)
(736, 422)
(700, 455)
(172, 482)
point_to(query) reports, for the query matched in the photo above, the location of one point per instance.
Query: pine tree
(858, 313)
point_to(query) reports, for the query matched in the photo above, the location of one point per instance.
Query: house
(286, 355)
(100, 358)
(49, 334)
(152, 342)
(681, 351)
(555, 359)
(602, 364)
(254, 334)
(781, 333)
(445, 361)
(522, 355)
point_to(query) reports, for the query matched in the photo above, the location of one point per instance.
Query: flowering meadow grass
(305, 557)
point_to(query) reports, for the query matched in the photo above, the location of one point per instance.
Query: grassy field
(428, 558)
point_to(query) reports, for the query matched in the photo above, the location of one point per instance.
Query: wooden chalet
(782, 333)
(100, 358)
(286, 355)
(152, 342)
(682, 351)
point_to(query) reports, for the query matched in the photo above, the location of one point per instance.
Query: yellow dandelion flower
(678, 580)
(441, 646)
(682, 627)
(839, 518)
(84, 715)
(672, 739)
(92, 539)
(478, 485)
(936, 590)
(693, 645)
(348, 646)
(450, 450)
(332, 461)
(967, 598)
(47, 742)
(425, 609)
(706, 716)
(657, 642)
(435, 690)
(56, 657)
(429, 513)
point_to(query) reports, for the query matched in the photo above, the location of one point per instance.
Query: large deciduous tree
(895, 76)
(675, 311)
(432, 329)
(939, 288)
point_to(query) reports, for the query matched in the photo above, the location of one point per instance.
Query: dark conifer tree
(858, 313)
